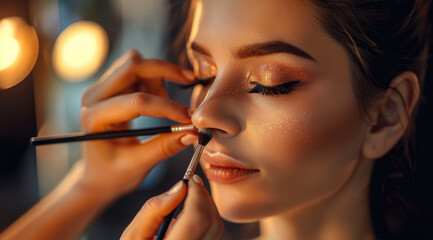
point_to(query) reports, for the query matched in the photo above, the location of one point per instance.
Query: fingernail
(188, 139)
(176, 188)
(197, 179)
(188, 74)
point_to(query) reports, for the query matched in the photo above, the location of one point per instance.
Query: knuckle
(89, 119)
(151, 204)
(139, 99)
(132, 57)
(132, 54)
(173, 105)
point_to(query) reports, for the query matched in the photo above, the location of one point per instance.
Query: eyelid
(278, 85)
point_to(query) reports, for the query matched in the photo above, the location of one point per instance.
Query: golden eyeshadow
(273, 74)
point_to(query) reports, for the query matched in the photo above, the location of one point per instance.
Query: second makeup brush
(204, 136)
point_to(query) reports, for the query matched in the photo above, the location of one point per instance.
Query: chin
(236, 214)
(239, 207)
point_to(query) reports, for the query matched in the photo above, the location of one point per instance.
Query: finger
(153, 86)
(127, 107)
(200, 219)
(121, 127)
(147, 221)
(155, 149)
(130, 69)
(170, 227)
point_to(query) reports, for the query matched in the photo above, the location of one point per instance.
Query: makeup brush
(204, 136)
(74, 137)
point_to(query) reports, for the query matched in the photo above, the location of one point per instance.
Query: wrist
(78, 183)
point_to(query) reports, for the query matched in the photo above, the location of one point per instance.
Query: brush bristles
(204, 136)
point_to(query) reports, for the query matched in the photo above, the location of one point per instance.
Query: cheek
(335, 126)
(274, 133)
(307, 125)
(305, 148)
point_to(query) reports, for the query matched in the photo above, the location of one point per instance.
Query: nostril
(216, 131)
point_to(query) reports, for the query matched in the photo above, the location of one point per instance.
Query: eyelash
(284, 88)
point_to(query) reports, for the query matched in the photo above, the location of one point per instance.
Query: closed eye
(204, 82)
(284, 88)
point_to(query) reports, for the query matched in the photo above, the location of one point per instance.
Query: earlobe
(392, 115)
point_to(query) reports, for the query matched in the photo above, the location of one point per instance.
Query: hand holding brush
(200, 218)
(204, 136)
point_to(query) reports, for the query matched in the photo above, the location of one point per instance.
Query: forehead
(236, 22)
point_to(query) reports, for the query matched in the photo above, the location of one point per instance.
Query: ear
(391, 115)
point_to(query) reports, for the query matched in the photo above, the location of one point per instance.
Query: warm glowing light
(7, 26)
(80, 50)
(9, 50)
(18, 51)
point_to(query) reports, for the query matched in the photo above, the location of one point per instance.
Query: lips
(222, 168)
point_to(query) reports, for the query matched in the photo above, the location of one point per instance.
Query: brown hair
(383, 38)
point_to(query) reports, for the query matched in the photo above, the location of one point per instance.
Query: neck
(344, 214)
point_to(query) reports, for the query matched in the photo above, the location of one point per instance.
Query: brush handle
(167, 220)
(36, 141)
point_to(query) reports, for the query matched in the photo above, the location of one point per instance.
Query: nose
(219, 111)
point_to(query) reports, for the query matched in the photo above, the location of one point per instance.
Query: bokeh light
(9, 50)
(80, 51)
(19, 49)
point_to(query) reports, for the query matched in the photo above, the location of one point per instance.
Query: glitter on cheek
(292, 126)
(279, 139)
(284, 127)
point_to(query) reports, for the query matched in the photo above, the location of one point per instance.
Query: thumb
(146, 223)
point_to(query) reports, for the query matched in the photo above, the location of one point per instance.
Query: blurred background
(50, 52)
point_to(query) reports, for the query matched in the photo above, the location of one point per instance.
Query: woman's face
(287, 130)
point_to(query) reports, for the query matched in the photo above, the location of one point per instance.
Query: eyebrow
(259, 49)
